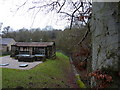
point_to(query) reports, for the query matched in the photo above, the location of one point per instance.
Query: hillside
(50, 74)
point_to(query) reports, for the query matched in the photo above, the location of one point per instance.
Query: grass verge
(50, 74)
(79, 82)
(3, 55)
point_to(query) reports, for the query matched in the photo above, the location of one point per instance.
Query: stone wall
(105, 28)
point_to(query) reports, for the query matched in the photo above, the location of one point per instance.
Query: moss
(110, 54)
(79, 82)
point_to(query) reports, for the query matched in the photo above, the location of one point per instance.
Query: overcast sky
(22, 18)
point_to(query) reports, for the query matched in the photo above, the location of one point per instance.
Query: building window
(40, 50)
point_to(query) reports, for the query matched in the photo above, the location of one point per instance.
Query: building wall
(4, 48)
(11, 43)
(7, 47)
(105, 28)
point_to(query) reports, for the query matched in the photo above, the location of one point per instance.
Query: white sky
(23, 19)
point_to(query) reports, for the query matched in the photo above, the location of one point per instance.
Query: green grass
(50, 74)
(3, 55)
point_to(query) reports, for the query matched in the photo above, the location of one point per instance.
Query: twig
(35, 17)
(80, 12)
(62, 6)
(20, 6)
(74, 13)
(66, 13)
(85, 35)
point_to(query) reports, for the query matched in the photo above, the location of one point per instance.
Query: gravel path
(14, 64)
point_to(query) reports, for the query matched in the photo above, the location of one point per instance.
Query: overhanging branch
(61, 6)
(85, 35)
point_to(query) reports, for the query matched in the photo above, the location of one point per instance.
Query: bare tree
(76, 11)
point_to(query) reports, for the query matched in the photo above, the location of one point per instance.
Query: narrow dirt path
(72, 79)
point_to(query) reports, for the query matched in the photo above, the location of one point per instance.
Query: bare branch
(31, 8)
(82, 14)
(35, 17)
(51, 5)
(90, 3)
(21, 6)
(66, 13)
(85, 35)
(74, 13)
(62, 6)
(71, 22)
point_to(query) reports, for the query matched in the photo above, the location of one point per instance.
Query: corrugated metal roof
(40, 44)
(6, 41)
